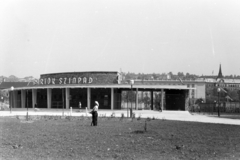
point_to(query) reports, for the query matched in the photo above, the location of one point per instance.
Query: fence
(225, 107)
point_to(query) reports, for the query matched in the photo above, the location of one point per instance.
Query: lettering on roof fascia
(63, 81)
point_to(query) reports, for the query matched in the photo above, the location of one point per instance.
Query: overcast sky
(140, 36)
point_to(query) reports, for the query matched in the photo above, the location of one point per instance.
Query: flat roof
(90, 72)
(126, 86)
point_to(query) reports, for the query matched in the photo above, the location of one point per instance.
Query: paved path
(168, 115)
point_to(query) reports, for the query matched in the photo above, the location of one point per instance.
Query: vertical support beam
(15, 99)
(34, 97)
(88, 98)
(63, 98)
(136, 99)
(10, 99)
(112, 98)
(152, 100)
(23, 98)
(67, 97)
(162, 94)
(49, 98)
(187, 100)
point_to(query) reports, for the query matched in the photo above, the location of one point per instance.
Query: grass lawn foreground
(56, 137)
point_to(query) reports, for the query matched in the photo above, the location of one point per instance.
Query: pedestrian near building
(80, 106)
(94, 113)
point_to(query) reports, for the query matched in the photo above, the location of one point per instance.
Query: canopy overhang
(119, 86)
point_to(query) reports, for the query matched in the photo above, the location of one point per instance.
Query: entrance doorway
(78, 95)
(42, 98)
(175, 100)
(103, 96)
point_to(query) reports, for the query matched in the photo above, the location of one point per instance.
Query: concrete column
(112, 98)
(34, 97)
(88, 98)
(151, 100)
(67, 91)
(49, 98)
(23, 98)
(187, 100)
(162, 103)
(136, 98)
(11, 99)
(63, 98)
(15, 99)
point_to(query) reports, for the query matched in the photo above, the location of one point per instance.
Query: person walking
(80, 106)
(94, 113)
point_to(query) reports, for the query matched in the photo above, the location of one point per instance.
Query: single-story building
(65, 90)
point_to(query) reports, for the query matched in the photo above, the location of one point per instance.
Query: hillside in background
(166, 76)
(13, 78)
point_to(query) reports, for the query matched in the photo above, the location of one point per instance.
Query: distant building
(231, 85)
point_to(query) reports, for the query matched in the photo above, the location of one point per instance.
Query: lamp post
(131, 82)
(12, 89)
(218, 90)
(214, 107)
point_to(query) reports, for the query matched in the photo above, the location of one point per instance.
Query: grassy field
(115, 138)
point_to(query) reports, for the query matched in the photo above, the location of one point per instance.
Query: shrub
(113, 115)
(139, 117)
(133, 115)
(148, 119)
(69, 118)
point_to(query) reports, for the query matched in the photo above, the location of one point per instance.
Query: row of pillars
(67, 93)
(13, 98)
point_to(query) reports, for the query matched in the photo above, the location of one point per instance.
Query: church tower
(220, 76)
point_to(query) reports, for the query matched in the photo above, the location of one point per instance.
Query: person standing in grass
(94, 113)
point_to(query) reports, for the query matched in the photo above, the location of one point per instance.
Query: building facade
(230, 88)
(65, 90)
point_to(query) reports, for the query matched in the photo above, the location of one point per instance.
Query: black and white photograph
(119, 79)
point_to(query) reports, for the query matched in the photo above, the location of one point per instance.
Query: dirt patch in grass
(51, 137)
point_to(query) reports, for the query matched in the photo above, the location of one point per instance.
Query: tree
(180, 74)
(234, 94)
(238, 92)
(198, 101)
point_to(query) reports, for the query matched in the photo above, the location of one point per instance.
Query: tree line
(166, 76)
